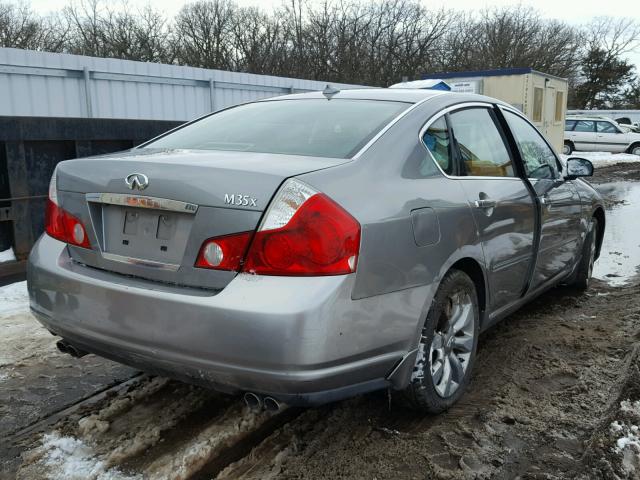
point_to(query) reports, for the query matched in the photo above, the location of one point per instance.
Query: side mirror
(578, 167)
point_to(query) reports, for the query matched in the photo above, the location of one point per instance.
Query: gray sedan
(312, 247)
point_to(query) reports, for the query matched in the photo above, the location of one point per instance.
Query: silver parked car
(311, 247)
(598, 134)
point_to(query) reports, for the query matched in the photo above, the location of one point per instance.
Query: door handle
(485, 203)
(545, 200)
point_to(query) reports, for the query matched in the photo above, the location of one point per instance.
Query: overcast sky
(572, 11)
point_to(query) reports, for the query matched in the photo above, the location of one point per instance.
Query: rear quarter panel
(381, 190)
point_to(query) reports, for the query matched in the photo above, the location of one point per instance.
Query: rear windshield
(324, 128)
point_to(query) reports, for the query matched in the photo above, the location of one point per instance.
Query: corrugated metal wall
(37, 84)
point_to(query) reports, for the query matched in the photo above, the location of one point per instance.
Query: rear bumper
(302, 340)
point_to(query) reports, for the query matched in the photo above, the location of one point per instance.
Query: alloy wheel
(452, 344)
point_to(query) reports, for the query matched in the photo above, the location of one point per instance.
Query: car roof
(590, 117)
(409, 95)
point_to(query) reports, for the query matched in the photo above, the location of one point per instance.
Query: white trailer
(541, 97)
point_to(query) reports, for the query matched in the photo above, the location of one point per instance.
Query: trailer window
(559, 106)
(537, 104)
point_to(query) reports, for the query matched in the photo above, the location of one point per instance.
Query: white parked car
(598, 134)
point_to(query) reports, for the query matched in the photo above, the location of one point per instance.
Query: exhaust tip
(66, 347)
(252, 401)
(271, 404)
(62, 346)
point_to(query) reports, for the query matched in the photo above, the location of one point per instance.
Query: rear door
(610, 138)
(503, 208)
(583, 135)
(560, 204)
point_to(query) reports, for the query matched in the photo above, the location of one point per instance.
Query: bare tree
(258, 42)
(353, 41)
(204, 34)
(510, 37)
(21, 28)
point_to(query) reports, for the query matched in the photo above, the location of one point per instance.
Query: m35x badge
(240, 200)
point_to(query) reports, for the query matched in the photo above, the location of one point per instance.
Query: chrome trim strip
(399, 117)
(137, 261)
(141, 201)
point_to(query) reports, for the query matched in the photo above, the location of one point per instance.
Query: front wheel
(635, 149)
(447, 346)
(567, 149)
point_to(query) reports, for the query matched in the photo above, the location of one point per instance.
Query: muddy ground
(553, 397)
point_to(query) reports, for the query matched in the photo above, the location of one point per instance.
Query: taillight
(224, 253)
(60, 224)
(304, 233)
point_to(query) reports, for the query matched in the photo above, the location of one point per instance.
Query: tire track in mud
(148, 428)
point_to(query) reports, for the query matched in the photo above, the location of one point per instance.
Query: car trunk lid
(155, 230)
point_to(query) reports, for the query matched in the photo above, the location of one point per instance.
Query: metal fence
(36, 84)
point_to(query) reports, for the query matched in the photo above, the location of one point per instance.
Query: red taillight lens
(65, 227)
(321, 238)
(224, 253)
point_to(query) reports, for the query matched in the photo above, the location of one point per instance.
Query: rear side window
(438, 142)
(335, 128)
(606, 127)
(585, 126)
(569, 124)
(482, 150)
(539, 159)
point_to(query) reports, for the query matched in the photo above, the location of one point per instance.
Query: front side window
(606, 127)
(438, 142)
(482, 150)
(585, 126)
(539, 159)
(334, 128)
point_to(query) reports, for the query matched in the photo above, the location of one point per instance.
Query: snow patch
(7, 256)
(67, 458)
(602, 159)
(627, 434)
(22, 336)
(632, 408)
(14, 298)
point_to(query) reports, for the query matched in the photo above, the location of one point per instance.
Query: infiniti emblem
(137, 181)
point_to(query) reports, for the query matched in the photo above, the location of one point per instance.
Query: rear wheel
(567, 148)
(635, 149)
(584, 271)
(447, 347)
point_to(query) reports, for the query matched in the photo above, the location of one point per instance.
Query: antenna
(330, 91)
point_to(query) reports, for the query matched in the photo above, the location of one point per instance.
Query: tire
(635, 149)
(584, 270)
(447, 348)
(567, 149)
